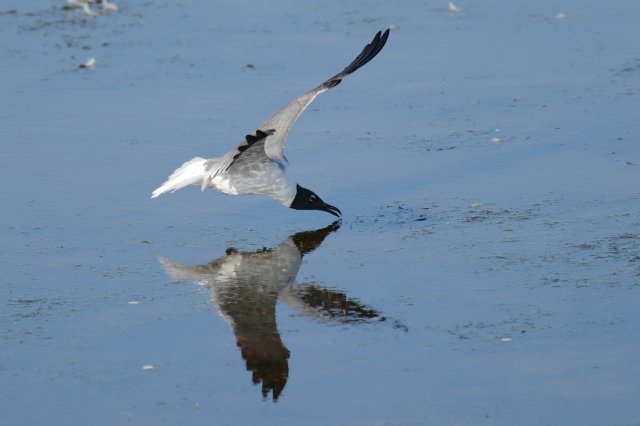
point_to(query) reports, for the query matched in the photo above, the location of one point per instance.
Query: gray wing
(276, 128)
(282, 121)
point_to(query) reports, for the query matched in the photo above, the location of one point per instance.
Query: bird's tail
(176, 271)
(190, 173)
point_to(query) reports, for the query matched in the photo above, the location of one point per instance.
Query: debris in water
(496, 141)
(133, 302)
(505, 339)
(561, 16)
(148, 367)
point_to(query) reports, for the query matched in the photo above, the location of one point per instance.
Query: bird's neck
(285, 193)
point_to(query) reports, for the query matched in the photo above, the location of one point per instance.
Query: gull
(81, 4)
(108, 7)
(258, 165)
(453, 8)
(87, 10)
(88, 64)
(76, 4)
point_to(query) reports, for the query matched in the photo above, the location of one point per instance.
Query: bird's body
(81, 4)
(75, 4)
(257, 166)
(252, 174)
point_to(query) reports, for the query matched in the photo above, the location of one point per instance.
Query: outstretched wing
(282, 121)
(276, 128)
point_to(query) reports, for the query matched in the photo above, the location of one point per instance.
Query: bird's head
(306, 199)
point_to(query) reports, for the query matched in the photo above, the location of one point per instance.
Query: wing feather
(277, 127)
(283, 120)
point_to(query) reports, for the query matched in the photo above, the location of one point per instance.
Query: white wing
(276, 128)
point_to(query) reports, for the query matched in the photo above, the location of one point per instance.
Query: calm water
(486, 270)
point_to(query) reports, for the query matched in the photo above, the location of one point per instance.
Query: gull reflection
(245, 288)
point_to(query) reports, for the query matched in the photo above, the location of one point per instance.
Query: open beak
(331, 209)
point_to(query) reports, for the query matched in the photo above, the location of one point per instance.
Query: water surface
(486, 270)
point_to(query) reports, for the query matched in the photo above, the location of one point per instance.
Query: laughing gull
(257, 165)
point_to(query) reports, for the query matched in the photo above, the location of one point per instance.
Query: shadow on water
(245, 288)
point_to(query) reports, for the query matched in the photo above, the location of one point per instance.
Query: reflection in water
(245, 288)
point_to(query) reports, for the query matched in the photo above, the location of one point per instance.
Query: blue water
(502, 276)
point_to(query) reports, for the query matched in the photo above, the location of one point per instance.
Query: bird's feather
(277, 127)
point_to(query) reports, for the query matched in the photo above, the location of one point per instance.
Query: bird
(75, 4)
(89, 64)
(88, 12)
(453, 8)
(257, 166)
(81, 4)
(108, 7)
(246, 288)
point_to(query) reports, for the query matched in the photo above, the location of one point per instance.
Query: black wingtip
(369, 52)
(385, 36)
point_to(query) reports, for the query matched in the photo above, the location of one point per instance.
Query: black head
(309, 200)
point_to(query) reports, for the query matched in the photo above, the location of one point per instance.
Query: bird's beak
(331, 209)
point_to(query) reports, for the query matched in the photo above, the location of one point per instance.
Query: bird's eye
(313, 198)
